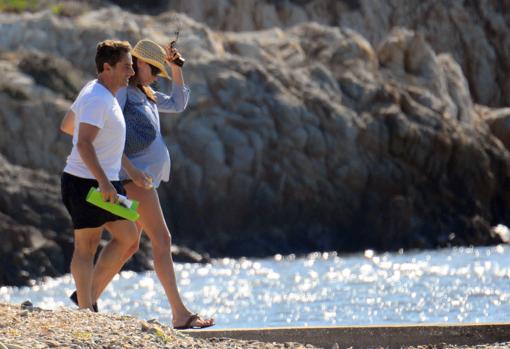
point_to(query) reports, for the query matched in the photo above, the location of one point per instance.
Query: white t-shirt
(97, 106)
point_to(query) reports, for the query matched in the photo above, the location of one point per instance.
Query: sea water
(456, 285)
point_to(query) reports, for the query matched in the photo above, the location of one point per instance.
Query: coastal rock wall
(298, 139)
(30, 218)
(475, 33)
(331, 135)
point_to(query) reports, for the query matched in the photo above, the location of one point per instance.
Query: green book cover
(120, 209)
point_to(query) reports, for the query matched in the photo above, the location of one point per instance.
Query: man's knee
(85, 249)
(85, 244)
(132, 237)
(125, 233)
(133, 248)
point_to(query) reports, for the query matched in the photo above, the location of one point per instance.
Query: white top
(97, 106)
(155, 159)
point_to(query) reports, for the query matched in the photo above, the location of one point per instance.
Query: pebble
(26, 304)
(74, 329)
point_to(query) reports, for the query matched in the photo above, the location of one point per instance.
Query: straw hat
(150, 52)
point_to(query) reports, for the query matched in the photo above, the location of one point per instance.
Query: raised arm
(171, 55)
(178, 99)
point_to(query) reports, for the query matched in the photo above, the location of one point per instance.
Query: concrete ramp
(391, 336)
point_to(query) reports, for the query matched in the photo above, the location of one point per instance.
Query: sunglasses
(154, 70)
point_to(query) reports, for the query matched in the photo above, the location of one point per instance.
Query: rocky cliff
(475, 33)
(311, 137)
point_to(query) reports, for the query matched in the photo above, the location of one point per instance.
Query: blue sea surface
(456, 285)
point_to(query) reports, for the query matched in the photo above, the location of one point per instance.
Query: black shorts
(83, 214)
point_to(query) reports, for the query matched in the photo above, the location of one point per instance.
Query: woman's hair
(111, 52)
(145, 89)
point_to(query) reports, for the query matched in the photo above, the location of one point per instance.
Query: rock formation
(306, 138)
(475, 33)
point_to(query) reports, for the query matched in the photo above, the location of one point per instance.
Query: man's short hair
(111, 52)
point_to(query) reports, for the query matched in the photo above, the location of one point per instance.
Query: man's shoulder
(95, 92)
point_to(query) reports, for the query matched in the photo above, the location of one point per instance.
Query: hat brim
(162, 68)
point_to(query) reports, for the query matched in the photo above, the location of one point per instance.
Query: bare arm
(88, 154)
(171, 55)
(177, 101)
(177, 77)
(140, 178)
(67, 124)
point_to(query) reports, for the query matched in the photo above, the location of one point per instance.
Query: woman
(146, 163)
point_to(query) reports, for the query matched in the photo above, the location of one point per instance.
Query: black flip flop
(74, 298)
(187, 325)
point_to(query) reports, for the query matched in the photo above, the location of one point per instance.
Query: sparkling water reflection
(450, 285)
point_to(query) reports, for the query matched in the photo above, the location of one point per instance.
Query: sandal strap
(188, 323)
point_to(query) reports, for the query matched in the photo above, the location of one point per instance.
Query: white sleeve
(73, 107)
(176, 102)
(92, 112)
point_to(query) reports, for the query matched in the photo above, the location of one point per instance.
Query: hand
(171, 55)
(140, 178)
(108, 192)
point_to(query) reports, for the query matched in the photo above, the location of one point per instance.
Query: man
(95, 161)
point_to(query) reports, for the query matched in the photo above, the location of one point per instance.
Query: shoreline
(440, 335)
(27, 327)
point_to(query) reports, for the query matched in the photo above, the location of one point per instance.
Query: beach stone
(53, 344)
(145, 326)
(27, 305)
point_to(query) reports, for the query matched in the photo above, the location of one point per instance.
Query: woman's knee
(162, 243)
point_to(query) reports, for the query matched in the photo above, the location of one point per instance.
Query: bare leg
(102, 279)
(110, 261)
(154, 225)
(82, 263)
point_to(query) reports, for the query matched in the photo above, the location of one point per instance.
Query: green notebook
(125, 208)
